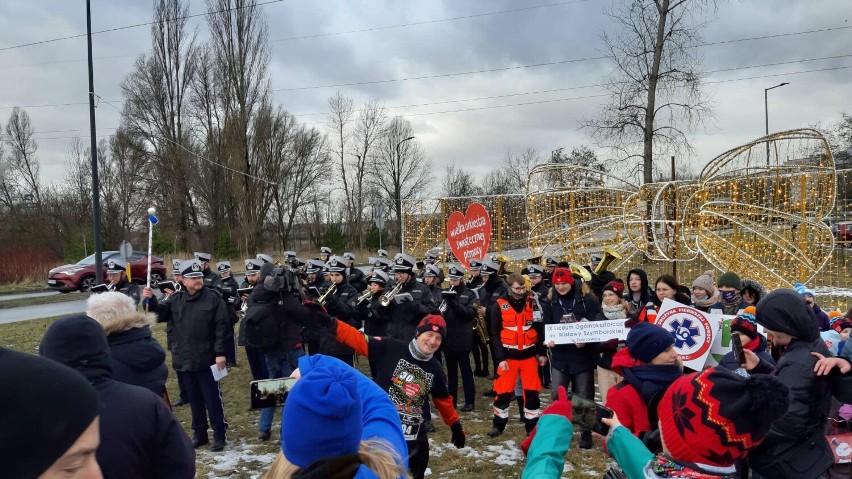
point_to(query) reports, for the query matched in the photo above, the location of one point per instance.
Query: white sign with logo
(585, 331)
(694, 332)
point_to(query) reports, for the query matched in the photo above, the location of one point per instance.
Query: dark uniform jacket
(356, 278)
(130, 289)
(340, 305)
(474, 282)
(489, 293)
(374, 316)
(213, 280)
(406, 316)
(197, 328)
(459, 316)
(566, 357)
(241, 339)
(140, 437)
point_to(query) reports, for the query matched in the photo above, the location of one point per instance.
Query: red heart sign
(469, 234)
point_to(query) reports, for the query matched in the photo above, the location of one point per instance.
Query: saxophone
(479, 326)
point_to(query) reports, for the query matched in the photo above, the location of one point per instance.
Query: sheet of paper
(217, 374)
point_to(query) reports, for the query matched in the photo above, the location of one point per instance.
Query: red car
(81, 275)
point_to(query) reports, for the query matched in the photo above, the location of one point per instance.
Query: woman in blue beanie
(337, 423)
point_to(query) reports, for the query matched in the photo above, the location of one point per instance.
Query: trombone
(388, 296)
(330, 291)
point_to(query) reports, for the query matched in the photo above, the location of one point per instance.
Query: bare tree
(300, 179)
(656, 89)
(401, 169)
(239, 39)
(22, 160)
(517, 167)
(368, 129)
(155, 105)
(341, 111)
(459, 182)
(497, 182)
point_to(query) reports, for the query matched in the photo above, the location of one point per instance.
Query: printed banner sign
(694, 332)
(469, 234)
(585, 331)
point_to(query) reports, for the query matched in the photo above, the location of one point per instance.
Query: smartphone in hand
(737, 348)
(588, 414)
(270, 392)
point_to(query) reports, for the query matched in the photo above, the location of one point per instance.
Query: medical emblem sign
(693, 331)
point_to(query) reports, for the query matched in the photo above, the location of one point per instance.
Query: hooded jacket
(645, 296)
(139, 435)
(795, 446)
(137, 358)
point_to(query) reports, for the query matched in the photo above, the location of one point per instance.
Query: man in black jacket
(408, 311)
(341, 305)
(211, 278)
(492, 289)
(139, 435)
(459, 312)
(229, 294)
(257, 364)
(196, 333)
(354, 276)
(273, 303)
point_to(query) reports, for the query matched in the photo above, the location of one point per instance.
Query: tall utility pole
(766, 110)
(96, 191)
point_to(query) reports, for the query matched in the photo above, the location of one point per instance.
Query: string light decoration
(764, 210)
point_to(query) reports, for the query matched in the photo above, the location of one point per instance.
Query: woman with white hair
(137, 357)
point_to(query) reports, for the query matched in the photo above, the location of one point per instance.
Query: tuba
(610, 255)
(578, 270)
(330, 291)
(388, 296)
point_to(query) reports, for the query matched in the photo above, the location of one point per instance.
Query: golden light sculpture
(762, 210)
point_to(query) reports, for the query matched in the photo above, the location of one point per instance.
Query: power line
(125, 27)
(199, 156)
(425, 22)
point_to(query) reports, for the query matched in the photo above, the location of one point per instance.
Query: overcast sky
(434, 41)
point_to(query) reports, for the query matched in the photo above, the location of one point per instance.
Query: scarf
(416, 352)
(708, 301)
(614, 312)
(664, 466)
(730, 307)
(650, 379)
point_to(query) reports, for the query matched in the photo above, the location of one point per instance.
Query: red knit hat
(432, 322)
(562, 275)
(616, 286)
(715, 417)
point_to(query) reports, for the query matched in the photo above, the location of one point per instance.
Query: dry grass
(248, 457)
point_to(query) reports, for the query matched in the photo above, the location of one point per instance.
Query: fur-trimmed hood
(122, 322)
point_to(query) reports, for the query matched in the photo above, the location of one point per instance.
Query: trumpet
(330, 291)
(580, 271)
(610, 255)
(364, 296)
(388, 296)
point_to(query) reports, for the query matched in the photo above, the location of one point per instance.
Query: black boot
(218, 443)
(529, 424)
(586, 440)
(498, 425)
(198, 441)
(520, 400)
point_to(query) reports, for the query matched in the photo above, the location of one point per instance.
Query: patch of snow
(234, 454)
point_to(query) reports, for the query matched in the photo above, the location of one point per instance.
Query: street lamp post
(766, 110)
(398, 191)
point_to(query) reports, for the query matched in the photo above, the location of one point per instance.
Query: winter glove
(458, 435)
(561, 406)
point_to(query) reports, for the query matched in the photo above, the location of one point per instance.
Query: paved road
(26, 313)
(9, 297)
